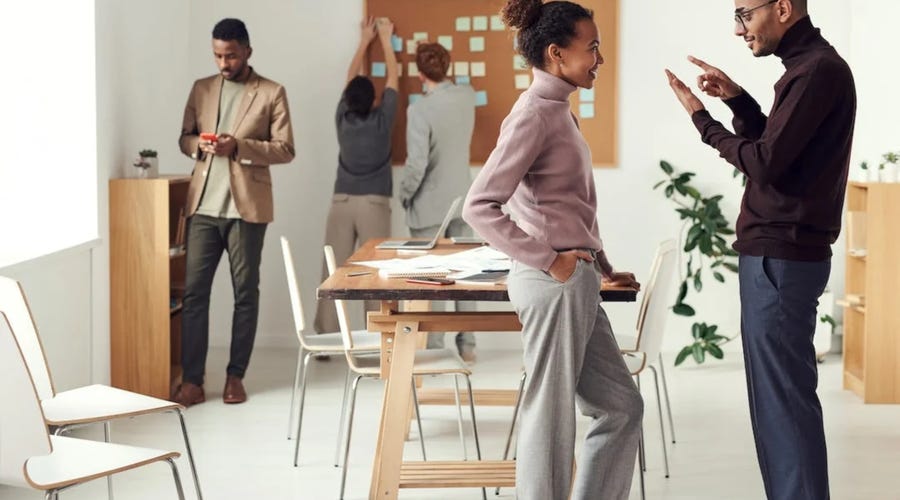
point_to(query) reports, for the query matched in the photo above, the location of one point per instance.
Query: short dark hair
(359, 95)
(542, 24)
(232, 29)
(432, 60)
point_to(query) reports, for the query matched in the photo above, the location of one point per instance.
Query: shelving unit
(872, 328)
(147, 265)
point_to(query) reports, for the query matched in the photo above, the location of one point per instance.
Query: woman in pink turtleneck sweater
(541, 168)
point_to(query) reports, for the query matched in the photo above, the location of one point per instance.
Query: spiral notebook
(414, 273)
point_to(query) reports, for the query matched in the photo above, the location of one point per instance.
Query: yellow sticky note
(519, 63)
(446, 41)
(477, 69)
(479, 23)
(522, 81)
(420, 35)
(463, 24)
(461, 68)
(412, 69)
(497, 24)
(410, 46)
(476, 44)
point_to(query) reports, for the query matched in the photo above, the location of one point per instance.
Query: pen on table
(494, 270)
(359, 273)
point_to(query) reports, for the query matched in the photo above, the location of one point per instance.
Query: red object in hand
(209, 137)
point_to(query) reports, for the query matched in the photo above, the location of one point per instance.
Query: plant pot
(152, 171)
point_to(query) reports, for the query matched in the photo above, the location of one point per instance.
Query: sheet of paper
(446, 41)
(476, 44)
(481, 98)
(497, 24)
(586, 95)
(523, 81)
(586, 110)
(477, 69)
(379, 69)
(479, 23)
(461, 68)
(463, 24)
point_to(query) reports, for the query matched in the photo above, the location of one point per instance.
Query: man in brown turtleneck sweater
(795, 161)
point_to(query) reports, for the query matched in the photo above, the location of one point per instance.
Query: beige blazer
(262, 128)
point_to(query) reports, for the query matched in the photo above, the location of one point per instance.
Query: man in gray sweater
(438, 135)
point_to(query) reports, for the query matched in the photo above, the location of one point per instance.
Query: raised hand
(385, 28)
(367, 30)
(687, 98)
(714, 82)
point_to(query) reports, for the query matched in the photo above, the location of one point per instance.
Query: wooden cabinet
(146, 275)
(872, 302)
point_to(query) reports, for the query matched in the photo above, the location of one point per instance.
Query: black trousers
(778, 319)
(207, 238)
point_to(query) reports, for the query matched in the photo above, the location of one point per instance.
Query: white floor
(242, 451)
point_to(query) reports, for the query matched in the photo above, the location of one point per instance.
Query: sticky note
(497, 24)
(519, 62)
(477, 69)
(379, 69)
(412, 69)
(463, 24)
(411, 46)
(586, 95)
(450, 70)
(463, 80)
(479, 23)
(397, 43)
(476, 44)
(481, 98)
(522, 81)
(586, 110)
(446, 42)
(461, 68)
(420, 36)
(414, 97)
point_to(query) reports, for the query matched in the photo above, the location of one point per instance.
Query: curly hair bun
(520, 14)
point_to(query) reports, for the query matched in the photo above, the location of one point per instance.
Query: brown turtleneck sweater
(796, 159)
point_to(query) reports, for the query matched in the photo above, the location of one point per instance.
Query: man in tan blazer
(236, 124)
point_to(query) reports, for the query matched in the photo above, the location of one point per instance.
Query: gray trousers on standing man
(571, 353)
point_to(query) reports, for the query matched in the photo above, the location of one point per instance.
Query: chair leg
(641, 450)
(475, 427)
(190, 454)
(641, 465)
(294, 391)
(177, 479)
(418, 417)
(662, 430)
(300, 412)
(109, 486)
(349, 434)
(459, 418)
(340, 438)
(512, 426)
(662, 374)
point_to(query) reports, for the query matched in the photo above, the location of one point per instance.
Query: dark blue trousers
(778, 318)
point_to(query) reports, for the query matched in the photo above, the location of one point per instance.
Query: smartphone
(209, 137)
(430, 281)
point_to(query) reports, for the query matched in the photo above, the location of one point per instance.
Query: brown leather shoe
(188, 394)
(234, 392)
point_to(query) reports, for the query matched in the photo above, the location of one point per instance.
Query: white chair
(326, 343)
(427, 362)
(84, 405)
(652, 315)
(31, 458)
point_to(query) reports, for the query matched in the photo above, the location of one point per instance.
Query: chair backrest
(294, 290)
(341, 307)
(14, 304)
(23, 433)
(657, 300)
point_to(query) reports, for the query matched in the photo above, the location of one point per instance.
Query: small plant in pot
(147, 163)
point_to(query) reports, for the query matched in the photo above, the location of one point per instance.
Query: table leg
(394, 410)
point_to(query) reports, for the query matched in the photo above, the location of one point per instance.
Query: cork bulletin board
(483, 55)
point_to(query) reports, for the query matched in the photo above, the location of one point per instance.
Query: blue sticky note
(397, 43)
(414, 97)
(481, 98)
(586, 110)
(379, 69)
(586, 95)
(463, 80)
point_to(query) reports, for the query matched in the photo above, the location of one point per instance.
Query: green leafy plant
(147, 153)
(826, 318)
(706, 253)
(889, 158)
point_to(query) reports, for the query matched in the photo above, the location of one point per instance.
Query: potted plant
(864, 172)
(147, 163)
(887, 169)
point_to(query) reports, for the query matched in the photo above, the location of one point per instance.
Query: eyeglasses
(742, 17)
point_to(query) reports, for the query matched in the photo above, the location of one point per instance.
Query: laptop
(423, 244)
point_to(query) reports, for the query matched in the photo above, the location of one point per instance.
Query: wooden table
(399, 340)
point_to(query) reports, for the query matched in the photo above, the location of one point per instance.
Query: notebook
(414, 273)
(423, 244)
(482, 278)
